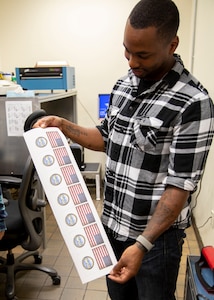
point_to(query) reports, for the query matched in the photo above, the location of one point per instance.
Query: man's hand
(49, 121)
(128, 265)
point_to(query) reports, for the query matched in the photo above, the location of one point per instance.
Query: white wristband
(143, 241)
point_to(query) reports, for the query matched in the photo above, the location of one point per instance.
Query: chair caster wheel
(56, 280)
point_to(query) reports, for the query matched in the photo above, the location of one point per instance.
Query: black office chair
(25, 225)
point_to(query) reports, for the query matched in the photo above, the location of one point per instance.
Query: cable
(198, 193)
(91, 118)
(199, 227)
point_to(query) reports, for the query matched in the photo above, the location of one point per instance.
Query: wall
(202, 67)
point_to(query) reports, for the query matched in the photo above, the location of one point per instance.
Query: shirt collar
(174, 74)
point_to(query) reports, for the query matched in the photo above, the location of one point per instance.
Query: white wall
(204, 44)
(203, 68)
(89, 35)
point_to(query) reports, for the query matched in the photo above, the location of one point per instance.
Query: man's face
(149, 57)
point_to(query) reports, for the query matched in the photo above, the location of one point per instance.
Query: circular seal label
(63, 199)
(88, 262)
(79, 240)
(41, 142)
(55, 179)
(48, 160)
(71, 219)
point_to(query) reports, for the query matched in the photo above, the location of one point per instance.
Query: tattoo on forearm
(165, 213)
(75, 131)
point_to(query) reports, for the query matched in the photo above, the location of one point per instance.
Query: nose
(133, 62)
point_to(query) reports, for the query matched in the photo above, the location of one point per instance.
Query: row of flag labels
(70, 202)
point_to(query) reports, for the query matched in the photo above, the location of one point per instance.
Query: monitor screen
(103, 104)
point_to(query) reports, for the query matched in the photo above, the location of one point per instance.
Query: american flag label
(55, 139)
(77, 194)
(71, 203)
(69, 174)
(94, 235)
(102, 257)
(85, 214)
(62, 156)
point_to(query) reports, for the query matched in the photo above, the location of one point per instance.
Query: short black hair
(162, 14)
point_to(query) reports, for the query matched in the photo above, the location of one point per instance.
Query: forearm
(87, 137)
(167, 211)
(90, 138)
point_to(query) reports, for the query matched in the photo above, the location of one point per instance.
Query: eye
(127, 54)
(144, 56)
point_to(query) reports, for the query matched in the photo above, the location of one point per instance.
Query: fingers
(128, 265)
(120, 274)
(41, 123)
(45, 122)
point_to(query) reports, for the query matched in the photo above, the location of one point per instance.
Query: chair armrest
(10, 180)
(6, 201)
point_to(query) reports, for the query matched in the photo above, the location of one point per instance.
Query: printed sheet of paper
(71, 203)
(16, 114)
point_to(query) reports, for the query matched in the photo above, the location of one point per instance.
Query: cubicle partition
(13, 113)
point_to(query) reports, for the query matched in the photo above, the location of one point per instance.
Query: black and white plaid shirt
(156, 138)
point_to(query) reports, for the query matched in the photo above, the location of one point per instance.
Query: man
(156, 134)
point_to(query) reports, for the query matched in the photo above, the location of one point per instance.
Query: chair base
(10, 266)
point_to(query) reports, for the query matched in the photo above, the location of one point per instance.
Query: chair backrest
(31, 207)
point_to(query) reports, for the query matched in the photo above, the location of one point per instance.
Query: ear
(174, 44)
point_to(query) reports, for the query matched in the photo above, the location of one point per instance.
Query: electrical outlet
(212, 218)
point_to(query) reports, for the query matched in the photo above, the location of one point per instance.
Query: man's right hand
(49, 121)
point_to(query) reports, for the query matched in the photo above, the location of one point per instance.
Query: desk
(93, 169)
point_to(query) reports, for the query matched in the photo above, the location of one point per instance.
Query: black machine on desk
(46, 78)
(78, 153)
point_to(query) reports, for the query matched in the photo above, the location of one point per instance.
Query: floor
(32, 285)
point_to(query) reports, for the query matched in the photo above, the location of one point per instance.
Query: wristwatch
(144, 242)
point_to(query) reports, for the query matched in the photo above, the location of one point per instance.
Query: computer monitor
(103, 104)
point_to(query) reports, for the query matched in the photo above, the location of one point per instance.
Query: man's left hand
(128, 265)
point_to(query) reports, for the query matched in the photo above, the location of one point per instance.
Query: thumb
(117, 268)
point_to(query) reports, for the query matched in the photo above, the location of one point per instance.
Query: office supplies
(46, 78)
(6, 85)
